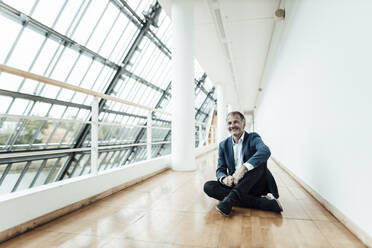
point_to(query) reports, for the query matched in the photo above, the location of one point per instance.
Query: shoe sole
(280, 205)
(271, 197)
(222, 213)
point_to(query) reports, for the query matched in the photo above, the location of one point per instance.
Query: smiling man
(243, 179)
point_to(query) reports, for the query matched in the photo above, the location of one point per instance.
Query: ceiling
(232, 40)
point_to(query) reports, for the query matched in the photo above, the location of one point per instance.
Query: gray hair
(242, 118)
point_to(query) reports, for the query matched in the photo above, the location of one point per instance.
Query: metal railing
(204, 135)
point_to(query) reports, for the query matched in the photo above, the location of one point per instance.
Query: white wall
(20, 207)
(23, 206)
(315, 110)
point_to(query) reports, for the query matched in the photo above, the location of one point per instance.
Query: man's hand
(239, 174)
(228, 181)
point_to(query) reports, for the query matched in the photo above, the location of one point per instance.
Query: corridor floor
(171, 210)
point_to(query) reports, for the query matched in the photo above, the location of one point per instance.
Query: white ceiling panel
(232, 39)
(248, 9)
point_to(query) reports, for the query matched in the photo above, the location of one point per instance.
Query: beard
(235, 131)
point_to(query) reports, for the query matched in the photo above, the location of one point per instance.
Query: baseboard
(29, 225)
(357, 231)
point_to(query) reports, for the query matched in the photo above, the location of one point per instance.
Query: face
(235, 125)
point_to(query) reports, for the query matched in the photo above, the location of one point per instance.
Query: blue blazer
(254, 152)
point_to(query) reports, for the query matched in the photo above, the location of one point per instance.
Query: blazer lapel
(231, 152)
(245, 148)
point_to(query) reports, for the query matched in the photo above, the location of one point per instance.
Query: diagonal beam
(164, 96)
(142, 132)
(154, 12)
(208, 97)
(42, 29)
(142, 81)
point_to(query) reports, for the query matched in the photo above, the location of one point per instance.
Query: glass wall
(120, 48)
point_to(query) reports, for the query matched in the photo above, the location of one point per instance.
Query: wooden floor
(171, 210)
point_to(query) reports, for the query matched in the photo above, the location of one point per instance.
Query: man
(243, 178)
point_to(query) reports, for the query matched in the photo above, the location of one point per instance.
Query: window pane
(22, 5)
(25, 51)
(11, 29)
(89, 20)
(47, 11)
(68, 14)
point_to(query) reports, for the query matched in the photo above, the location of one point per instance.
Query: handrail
(35, 153)
(46, 80)
(29, 75)
(38, 118)
(95, 145)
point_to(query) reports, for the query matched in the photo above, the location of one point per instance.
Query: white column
(183, 124)
(94, 138)
(229, 108)
(221, 114)
(149, 135)
(200, 136)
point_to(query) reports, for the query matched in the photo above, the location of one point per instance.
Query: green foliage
(30, 129)
(4, 137)
(5, 131)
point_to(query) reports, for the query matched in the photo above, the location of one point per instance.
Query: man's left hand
(239, 174)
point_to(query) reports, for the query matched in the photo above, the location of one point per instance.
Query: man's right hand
(228, 181)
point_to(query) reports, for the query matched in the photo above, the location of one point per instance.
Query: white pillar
(221, 114)
(229, 108)
(183, 123)
(200, 135)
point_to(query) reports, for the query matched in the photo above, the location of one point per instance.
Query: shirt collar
(240, 139)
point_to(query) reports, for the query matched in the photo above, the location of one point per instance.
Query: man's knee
(208, 187)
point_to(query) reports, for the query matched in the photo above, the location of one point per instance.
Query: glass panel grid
(104, 29)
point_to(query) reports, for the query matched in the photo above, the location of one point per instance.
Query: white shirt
(238, 155)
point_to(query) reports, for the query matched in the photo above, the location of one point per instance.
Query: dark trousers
(247, 192)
